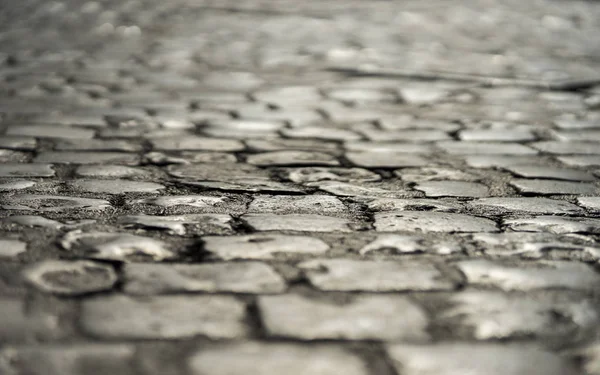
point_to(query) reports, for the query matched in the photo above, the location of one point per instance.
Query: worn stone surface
(555, 224)
(385, 160)
(289, 158)
(109, 171)
(531, 205)
(26, 170)
(82, 157)
(312, 204)
(10, 248)
(535, 171)
(422, 221)
(178, 224)
(116, 186)
(452, 189)
(553, 187)
(53, 203)
(296, 222)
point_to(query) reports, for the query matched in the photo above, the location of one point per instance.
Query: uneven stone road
(284, 187)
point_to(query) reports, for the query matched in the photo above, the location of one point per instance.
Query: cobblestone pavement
(285, 187)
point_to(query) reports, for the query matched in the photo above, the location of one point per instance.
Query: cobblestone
(421, 221)
(553, 187)
(26, 170)
(452, 189)
(10, 248)
(535, 171)
(296, 222)
(529, 205)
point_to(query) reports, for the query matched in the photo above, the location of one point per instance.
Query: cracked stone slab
(194, 143)
(26, 170)
(391, 204)
(536, 171)
(69, 359)
(71, 278)
(276, 358)
(317, 174)
(452, 189)
(354, 190)
(532, 205)
(580, 160)
(427, 221)
(163, 317)
(198, 201)
(553, 186)
(18, 143)
(83, 157)
(555, 224)
(292, 158)
(10, 248)
(246, 277)
(116, 186)
(531, 275)
(452, 358)
(485, 148)
(373, 276)
(109, 171)
(115, 246)
(567, 148)
(366, 317)
(297, 222)
(178, 224)
(309, 204)
(385, 160)
(492, 315)
(591, 203)
(261, 246)
(51, 131)
(53, 203)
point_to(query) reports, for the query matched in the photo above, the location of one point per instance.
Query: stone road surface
(225, 187)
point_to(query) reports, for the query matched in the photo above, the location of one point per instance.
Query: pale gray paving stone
(386, 159)
(391, 147)
(198, 201)
(53, 203)
(373, 276)
(423, 95)
(70, 278)
(42, 222)
(580, 160)
(97, 145)
(102, 359)
(309, 204)
(115, 246)
(288, 95)
(403, 121)
(195, 143)
(10, 248)
(530, 276)
(262, 246)
(406, 135)
(492, 315)
(555, 224)
(109, 171)
(532, 205)
(246, 277)
(177, 224)
(395, 204)
(590, 355)
(318, 132)
(16, 185)
(51, 131)
(283, 144)
(116, 186)
(163, 317)
(454, 358)
(361, 95)
(485, 148)
(575, 124)
(242, 129)
(577, 136)
(316, 174)
(297, 222)
(536, 171)
(18, 143)
(207, 157)
(26, 170)
(340, 113)
(82, 157)
(232, 81)
(553, 186)
(21, 325)
(365, 317)
(497, 135)
(11, 156)
(276, 358)
(290, 158)
(452, 189)
(355, 190)
(404, 244)
(294, 116)
(502, 161)
(591, 203)
(566, 148)
(426, 221)
(434, 173)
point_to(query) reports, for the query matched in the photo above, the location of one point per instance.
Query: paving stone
(42, 222)
(535, 171)
(82, 157)
(354, 190)
(163, 317)
(391, 147)
(10, 248)
(288, 95)
(501, 161)
(391, 204)
(528, 276)
(418, 135)
(580, 160)
(291, 158)
(590, 355)
(422, 95)
(555, 224)
(26, 170)
(199, 201)
(178, 224)
(261, 246)
(16, 185)
(296, 222)
(361, 95)
(49, 203)
(207, 157)
(434, 173)
(109, 171)
(500, 135)
(247, 277)
(242, 129)
(194, 143)
(276, 358)
(426, 221)
(591, 203)
(310, 204)
(573, 124)
(283, 144)
(21, 325)
(452, 189)
(295, 117)
(452, 358)
(50, 131)
(385, 160)
(532, 205)
(115, 246)
(566, 148)
(18, 143)
(71, 278)
(485, 148)
(553, 186)
(366, 317)
(116, 186)
(316, 174)
(373, 276)
(102, 359)
(403, 244)
(577, 136)
(10, 156)
(404, 121)
(97, 145)
(318, 132)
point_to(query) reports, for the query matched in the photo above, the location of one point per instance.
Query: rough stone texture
(289, 158)
(452, 189)
(81, 157)
(312, 204)
(385, 160)
(535, 171)
(116, 186)
(10, 248)
(296, 222)
(555, 224)
(53, 203)
(591, 203)
(178, 224)
(71, 278)
(26, 170)
(421, 221)
(529, 205)
(553, 187)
